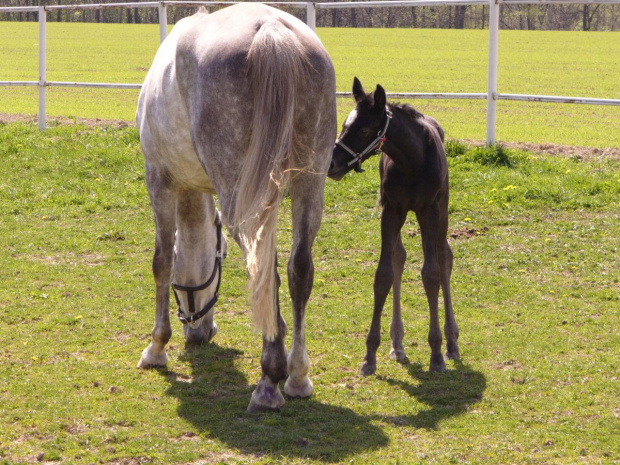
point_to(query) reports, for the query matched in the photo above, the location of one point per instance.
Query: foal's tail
(275, 64)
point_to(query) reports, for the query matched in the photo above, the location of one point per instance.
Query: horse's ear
(380, 98)
(358, 91)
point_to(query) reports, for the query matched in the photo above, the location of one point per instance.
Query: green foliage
(534, 287)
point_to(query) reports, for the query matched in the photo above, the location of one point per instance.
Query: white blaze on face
(350, 119)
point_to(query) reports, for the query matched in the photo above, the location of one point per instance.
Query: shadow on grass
(215, 398)
(448, 394)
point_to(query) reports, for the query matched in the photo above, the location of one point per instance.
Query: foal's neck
(405, 138)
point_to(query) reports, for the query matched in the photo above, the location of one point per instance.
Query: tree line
(568, 17)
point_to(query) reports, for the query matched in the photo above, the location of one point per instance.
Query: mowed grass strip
(576, 64)
(535, 289)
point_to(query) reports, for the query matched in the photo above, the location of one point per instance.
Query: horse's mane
(407, 109)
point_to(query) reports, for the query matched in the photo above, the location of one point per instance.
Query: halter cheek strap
(374, 147)
(217, 270)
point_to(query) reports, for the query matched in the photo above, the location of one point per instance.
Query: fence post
(42, 64)
(311, 15)
(163, 21)
(492, 77)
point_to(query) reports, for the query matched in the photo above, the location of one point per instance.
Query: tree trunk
(459, 16)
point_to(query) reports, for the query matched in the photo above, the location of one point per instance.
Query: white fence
(492, 96)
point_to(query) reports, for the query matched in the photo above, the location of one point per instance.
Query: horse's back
(196, 103)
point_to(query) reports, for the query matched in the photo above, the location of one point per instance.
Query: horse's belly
(181, 163)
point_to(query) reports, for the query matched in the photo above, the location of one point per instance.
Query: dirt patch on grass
(7, 118)
(582, 153)
(586, 153)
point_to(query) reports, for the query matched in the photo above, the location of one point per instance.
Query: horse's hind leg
(307, 206)
(397, 330)
(163, 201)
(431, 277)
(267, 395)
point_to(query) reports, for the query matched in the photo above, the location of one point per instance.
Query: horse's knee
(162, 265)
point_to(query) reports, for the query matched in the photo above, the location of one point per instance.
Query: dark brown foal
(414, 177)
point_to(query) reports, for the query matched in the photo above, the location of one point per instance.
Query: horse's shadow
(448, 394)
(214, 399)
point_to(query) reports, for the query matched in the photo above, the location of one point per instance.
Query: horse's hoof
(368, 369)
(149, 360)
(298, 389)
(398, 355)
(266, 398)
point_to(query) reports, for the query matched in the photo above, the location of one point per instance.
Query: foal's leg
(431, 277)
(163, 200)
(446, 259)
(397, 330)
(392, 221)
(307, 207)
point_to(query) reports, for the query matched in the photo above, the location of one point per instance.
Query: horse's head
(362, 133)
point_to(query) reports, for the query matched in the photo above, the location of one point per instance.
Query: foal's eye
(365, 132)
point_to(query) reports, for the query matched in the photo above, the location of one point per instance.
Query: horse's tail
(275, 63)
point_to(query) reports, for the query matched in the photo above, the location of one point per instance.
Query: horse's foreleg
(397, 330)
(392, 221)
(451, 329)
(431, 278)
(164, 207)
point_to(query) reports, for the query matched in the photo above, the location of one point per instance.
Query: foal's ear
(358, 91)
(380, 99)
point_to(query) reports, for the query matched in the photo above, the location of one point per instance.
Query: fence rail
(491, 96)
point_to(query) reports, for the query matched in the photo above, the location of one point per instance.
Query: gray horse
(238, 103)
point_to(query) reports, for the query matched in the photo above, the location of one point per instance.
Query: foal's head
(362, 133)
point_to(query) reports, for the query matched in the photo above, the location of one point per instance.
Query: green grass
(577, 64)
(535, 289)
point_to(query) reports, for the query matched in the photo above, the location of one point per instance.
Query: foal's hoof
(368, 368)
(298, 389)
(453, 352)
(265, 398)
(398, 355)
(149, 360)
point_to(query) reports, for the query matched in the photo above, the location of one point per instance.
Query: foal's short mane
(407, 109)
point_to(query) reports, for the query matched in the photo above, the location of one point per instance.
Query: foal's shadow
(214, 399)
(448, 394)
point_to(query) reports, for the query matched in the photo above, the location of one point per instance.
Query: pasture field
(536, 294)
(578, 64)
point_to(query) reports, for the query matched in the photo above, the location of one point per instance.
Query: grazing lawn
(535, 287)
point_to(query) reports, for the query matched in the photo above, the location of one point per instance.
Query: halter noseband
(217, 268)
(375, 146)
